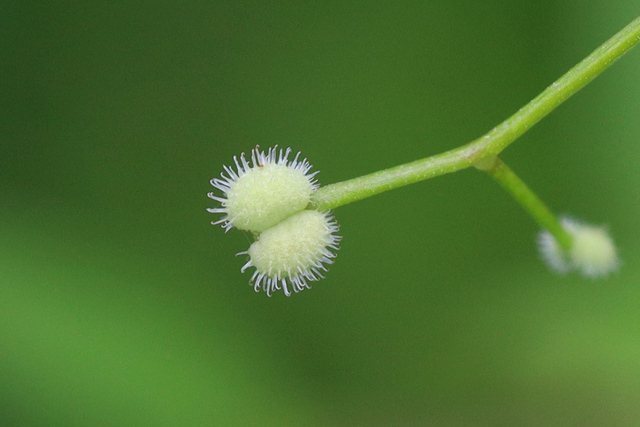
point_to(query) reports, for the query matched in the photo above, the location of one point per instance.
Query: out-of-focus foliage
(121, 305)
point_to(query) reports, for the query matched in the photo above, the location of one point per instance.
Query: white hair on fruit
(294, 252)
(592, 254)
(260, 194)
(552, 253)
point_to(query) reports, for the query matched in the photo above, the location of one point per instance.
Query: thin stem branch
(531, 203)
(492, 143)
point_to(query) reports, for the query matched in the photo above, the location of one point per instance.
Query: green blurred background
(121, 305)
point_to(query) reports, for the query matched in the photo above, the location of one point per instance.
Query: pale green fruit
(293, 252)
(593, 253)
(261, 195)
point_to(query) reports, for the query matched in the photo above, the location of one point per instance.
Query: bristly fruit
(290, 254)
(592, 254)
(260, 194)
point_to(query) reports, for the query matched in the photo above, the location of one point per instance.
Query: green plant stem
(526, 198)
(492, 143)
